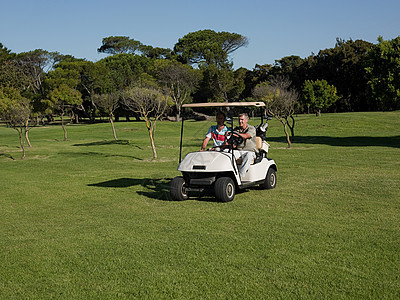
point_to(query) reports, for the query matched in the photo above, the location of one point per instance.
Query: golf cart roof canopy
(224, 104)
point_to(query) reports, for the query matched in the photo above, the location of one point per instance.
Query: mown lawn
(90, 218)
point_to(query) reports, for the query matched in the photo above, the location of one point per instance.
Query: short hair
(220, 113)
(245, 115)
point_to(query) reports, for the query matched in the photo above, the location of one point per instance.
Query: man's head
(220, 118)
(243, 118)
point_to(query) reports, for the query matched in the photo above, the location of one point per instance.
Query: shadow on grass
(98, 154)
(355, 141)
(7, 155)
(157, 188)
(102, 143)
(119, 183)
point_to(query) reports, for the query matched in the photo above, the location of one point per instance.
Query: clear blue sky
(275, 29)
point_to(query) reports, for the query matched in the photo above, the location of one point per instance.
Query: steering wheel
(236, 139)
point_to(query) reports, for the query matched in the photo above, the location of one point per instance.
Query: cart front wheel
(178, 189)
(224, 189)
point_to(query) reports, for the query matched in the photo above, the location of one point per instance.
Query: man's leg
(247, 158)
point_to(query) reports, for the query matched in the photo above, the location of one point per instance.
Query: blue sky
(275, 29)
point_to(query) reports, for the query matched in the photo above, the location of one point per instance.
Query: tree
(217, 81)
(87, 77)
(344, 67)
(209, 50)
(288, 66)
(221, 83)
(208, 46)
(383, 68)
(118, 45)
(12, 75)
(62, 100)
(180, 81)
(280, 102)
(55, 78)
(108, 103)
(16, 111)
(34, 65)
(150, 104)
(125, 69)
(155, 52)
(319, 95)
(5, 54)
(253, 77)
(124, 44)
(239, 76)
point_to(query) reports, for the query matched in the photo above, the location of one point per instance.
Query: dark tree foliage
(92, 78)
(365, 75)
(383, 68)
(209, 50)
(208, 46)
(156, 52)
(123, 44)
(287, 67)
(5, 54)
(118, 45)
(342, 66)
(125, 69)
(260, 73)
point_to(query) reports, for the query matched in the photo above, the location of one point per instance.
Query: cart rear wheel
(178, 189)
(270, 179)
(224, 189)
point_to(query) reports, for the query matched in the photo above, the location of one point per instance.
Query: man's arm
(250, 133)
(244, 135)
(205, 142)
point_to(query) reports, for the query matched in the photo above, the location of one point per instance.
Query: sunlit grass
(90, 217)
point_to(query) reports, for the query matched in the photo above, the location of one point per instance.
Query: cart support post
(180, 146)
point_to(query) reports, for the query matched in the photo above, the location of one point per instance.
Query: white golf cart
(218, 170)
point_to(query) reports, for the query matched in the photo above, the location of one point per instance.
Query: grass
(89, 218)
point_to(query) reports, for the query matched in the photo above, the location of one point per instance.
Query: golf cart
(218, 170)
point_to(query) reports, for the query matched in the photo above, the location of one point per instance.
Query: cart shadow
(156, 188)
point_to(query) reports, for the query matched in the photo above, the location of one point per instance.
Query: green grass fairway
(90, 218)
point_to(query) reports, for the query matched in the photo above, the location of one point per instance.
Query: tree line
(148, 83)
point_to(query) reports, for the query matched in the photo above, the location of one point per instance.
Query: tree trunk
(27, 138)
(21, 142)
(318, 113)
(291, 127)
(179, 112)
(153, 146)
(63, 127)
(113, 128)
(287, 135)
(283, 121)
(150, 128)
(26, 130)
